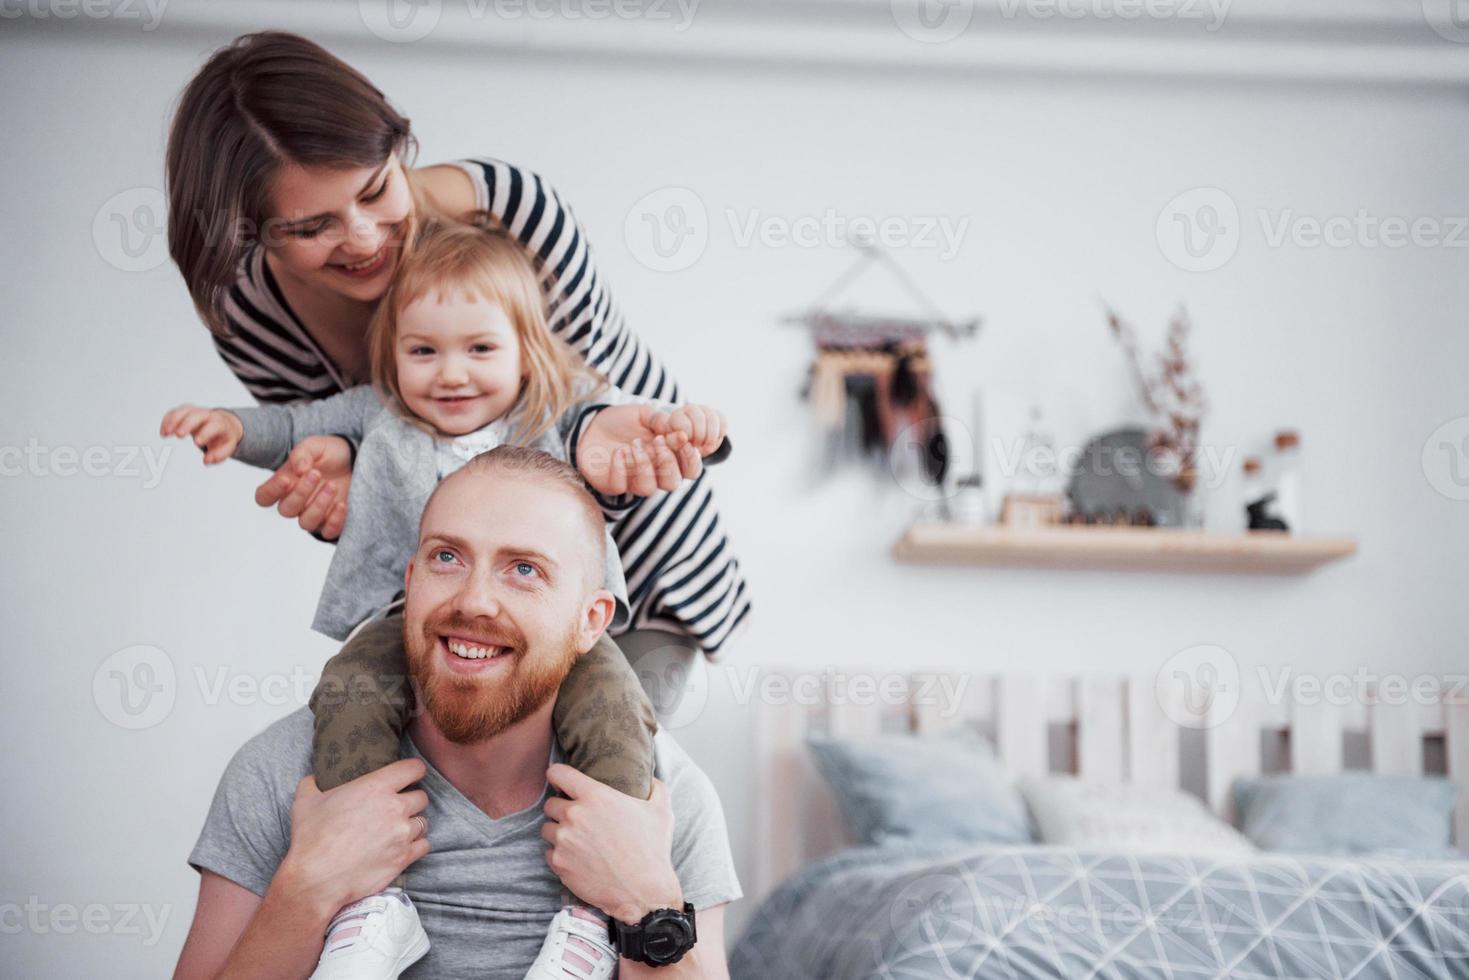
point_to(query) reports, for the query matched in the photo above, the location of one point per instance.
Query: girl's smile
(458, 360)
(458, 403)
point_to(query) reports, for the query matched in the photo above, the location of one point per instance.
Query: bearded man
(509, 563)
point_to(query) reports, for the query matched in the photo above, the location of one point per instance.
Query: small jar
(967, 505)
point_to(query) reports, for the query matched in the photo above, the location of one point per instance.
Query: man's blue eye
(441, 554)
(525, 568)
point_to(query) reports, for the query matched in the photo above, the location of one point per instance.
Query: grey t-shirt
(484, 892)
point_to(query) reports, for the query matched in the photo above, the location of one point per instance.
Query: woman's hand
(311, 485)
(612, 850)
(353, 840)
(214, 430)
(639, 448)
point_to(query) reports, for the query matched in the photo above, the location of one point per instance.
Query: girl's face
(458, 361)
(340, 230)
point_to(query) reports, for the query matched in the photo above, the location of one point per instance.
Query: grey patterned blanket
(911, 912)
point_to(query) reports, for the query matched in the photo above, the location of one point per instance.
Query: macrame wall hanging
(870, 386)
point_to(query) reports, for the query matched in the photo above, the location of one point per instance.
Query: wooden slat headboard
(1124, 729)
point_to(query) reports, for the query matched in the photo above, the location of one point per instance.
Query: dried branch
(1173, 394)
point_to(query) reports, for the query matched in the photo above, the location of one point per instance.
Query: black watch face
(666, 939)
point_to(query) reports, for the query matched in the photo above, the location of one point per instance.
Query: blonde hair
(481, 257)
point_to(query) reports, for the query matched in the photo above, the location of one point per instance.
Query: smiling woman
(291, 191)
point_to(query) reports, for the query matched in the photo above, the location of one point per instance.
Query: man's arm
(615, 852)
(346, 843)
(706, 961)
(275, 936)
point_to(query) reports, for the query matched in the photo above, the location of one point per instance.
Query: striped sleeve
(264, 349)
(682, 573)
(581, 311)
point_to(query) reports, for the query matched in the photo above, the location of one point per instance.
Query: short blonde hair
(480, 256)
(523, 463)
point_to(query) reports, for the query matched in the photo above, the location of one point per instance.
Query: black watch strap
(660, 938)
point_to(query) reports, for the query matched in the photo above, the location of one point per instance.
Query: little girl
(462, 361)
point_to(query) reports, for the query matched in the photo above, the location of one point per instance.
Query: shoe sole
(413, 953)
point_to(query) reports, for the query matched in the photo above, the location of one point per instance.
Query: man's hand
(311, 485)
(640, 448)
(214, 430)
(611, 850)
(353, 840)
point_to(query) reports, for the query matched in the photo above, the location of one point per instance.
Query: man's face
(499, 602)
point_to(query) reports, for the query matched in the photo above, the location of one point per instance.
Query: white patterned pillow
(1126, 817)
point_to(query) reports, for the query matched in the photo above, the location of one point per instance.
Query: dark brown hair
(263, 100)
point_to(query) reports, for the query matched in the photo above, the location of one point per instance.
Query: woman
(291, 190)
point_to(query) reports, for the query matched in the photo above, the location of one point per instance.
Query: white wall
(1061, 179)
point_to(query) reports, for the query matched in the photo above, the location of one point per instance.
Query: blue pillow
(940, 789)
(1351, 813)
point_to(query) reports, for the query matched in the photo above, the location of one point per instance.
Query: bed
(829, 909)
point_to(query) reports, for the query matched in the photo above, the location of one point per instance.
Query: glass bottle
(967, 506)
(1287, 478)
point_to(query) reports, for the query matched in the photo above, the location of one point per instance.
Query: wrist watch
(659, 938)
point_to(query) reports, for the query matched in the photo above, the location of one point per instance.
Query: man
(509, 556)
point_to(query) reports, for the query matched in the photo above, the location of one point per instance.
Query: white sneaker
(575, 949)
(375, 938)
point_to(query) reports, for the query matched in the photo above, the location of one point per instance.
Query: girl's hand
(639, 449)
(213, 430)
(311, 485)
(704, 426)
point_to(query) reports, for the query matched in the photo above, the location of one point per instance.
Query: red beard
(469, 710)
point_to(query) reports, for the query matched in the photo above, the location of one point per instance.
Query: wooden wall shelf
(1125, 548)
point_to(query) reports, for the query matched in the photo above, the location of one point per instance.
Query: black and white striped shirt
(682, 573)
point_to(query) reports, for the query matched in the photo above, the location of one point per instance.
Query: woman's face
(458, 361)
(340, 230)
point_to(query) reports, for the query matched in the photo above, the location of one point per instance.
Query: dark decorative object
(936, 454)
(871, 385)
(1261, 519)
(1119, 473)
